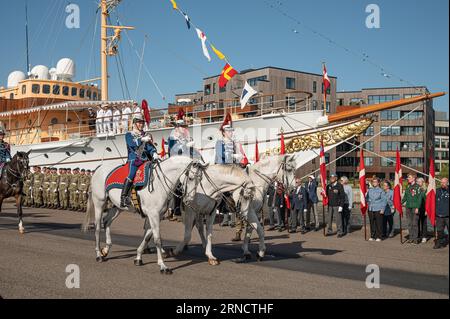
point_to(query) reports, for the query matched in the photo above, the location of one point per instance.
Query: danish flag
(323, 174)
(398, 185)
(362, 183)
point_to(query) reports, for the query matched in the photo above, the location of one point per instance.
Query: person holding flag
(442, 208)
(336, 199)
(413, 201)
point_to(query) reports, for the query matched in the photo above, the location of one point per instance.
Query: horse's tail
(89, 212)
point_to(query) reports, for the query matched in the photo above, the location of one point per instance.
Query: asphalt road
(297, 266)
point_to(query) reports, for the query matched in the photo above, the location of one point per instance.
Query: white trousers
(125, 126)
(116, 127)
(99, 126)
(107, 127)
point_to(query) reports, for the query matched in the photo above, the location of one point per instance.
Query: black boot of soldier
(125, 201)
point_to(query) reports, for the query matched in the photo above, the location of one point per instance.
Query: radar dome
(14, 78)
(40, 72)
(53, 75)
(65, 69)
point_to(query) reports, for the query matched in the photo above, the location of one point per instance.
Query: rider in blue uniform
(5, 150)
(140, 149)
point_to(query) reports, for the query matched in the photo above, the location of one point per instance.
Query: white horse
(217, 179)
(263, 173)
(166, 176)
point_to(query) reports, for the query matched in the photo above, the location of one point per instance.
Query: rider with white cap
(180, 141)
(228, 150)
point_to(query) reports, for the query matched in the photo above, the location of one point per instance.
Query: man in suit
(313, 199)
(280, 206)
(271, 192)
(299, 204)
(336, 200)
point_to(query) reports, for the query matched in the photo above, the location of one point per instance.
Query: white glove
(237, 157)
(146, 139)
(305, 210)
(156, 157)
(190, 144)
(393, 210)
(340, 209)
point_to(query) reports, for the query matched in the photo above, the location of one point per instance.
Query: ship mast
(109, 45)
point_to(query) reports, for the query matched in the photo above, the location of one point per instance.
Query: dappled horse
(12, 177)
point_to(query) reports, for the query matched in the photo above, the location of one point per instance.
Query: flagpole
(401, 230)
(365, 227)
(323, 220)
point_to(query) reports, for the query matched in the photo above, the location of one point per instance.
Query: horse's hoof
(138, 262)
(169, 253)
(166, 271)
(22, 231)
(100, 259)
(104, 252)
(259, 258)
(247, 257)
(213, 262)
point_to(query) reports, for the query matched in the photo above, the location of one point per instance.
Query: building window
(440, 130)
(368, 161)
(390, 131)
(207, 89)
(314, 87)
(271, 101)
(24, 89)
(370, 131)
(408, 96)
(74, 91)
(388, 162)
(412, 130)
(11, 96)
(390, 115)
(377, 99)
(290, 83)
(290, 101)
(388, 146)
(417, 115)
(369, 146)
(412, 161)
(65, 90)
(82, 91)
(36, 89)
(223, 89)
(56, 89)
(254, 81)
(328, 107)
(412, 146)
(46, 89)
(314, 105)
(214, 88)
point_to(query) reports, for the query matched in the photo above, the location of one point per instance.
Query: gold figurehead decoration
(331, 136)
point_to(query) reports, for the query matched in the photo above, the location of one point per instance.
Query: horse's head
(21, 161)
(192, 179)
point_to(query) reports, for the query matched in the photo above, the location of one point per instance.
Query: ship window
(24, 89)
(54, 121)
(56, 89)
(82, 93)
(36, 88)
(94, 96)
(46, 89)
(65, 90)
(74, 91)
(11, 96)
(88, 94)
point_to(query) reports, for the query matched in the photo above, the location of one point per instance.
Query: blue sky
(412, 42)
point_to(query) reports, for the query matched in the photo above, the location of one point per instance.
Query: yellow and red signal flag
(228, 73)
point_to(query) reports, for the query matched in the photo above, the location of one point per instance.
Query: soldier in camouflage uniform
(54, 182)
(46, 187)
(73, 190)
(64, 180)
(83, 185)
(38, 181)
(28, 190)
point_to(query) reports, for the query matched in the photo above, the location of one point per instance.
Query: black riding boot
(125, 197)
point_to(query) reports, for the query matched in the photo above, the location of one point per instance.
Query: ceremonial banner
(398, 185)
(362, 183)
(430, 204)
(323, 175)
